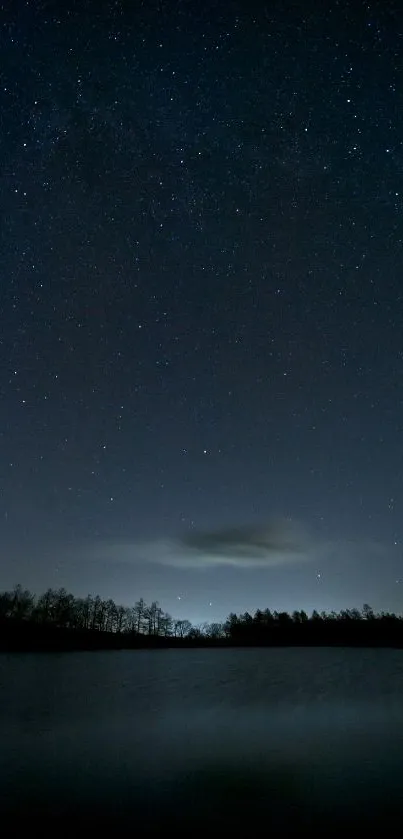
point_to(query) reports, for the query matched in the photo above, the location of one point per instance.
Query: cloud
(277, 543)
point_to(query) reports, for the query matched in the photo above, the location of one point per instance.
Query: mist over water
(197, 738)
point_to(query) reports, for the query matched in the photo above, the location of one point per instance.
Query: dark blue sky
(202, 298)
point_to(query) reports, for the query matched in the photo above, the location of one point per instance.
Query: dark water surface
(197, 739)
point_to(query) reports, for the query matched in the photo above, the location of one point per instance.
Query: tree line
(58, 619)
(59, 609)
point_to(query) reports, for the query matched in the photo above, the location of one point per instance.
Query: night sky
(201, 299)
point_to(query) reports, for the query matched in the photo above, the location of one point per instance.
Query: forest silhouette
(57, 620)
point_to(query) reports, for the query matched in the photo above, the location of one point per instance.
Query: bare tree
(215, 630)
(64, 607)
(166, 625)
(182, 628)
(45, 606)
(139, 610)
(85, 612)
(99, 611)
(22, 603)
(152, 614)
(121, 619)
(110, 617)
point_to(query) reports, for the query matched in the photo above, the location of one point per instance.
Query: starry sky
(202, 302)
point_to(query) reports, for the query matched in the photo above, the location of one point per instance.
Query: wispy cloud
(279, 542)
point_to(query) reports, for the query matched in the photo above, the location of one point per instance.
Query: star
(201, 255)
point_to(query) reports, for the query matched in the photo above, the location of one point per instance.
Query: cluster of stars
(201, 251)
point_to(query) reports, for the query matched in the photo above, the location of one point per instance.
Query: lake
(237, 738)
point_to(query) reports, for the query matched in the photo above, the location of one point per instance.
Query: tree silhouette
(182, 628)
(57, 618)
(139, 610)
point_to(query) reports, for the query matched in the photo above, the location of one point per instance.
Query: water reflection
(197, 738)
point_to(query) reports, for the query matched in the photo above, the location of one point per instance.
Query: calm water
(204, 738)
